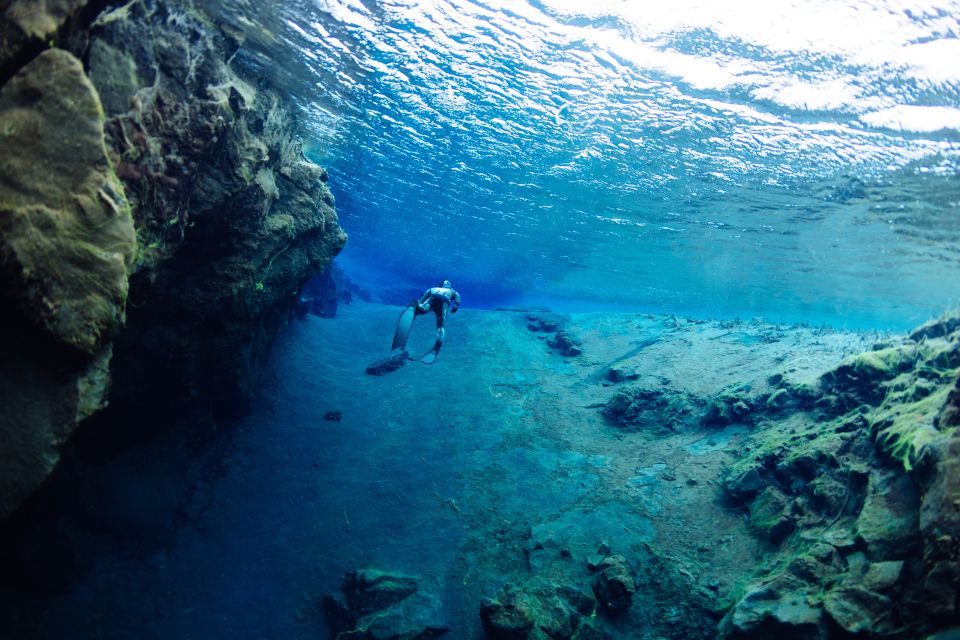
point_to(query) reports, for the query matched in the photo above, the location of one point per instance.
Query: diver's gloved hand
(454, 309)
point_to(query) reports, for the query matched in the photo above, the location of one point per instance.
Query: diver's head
(446, 284)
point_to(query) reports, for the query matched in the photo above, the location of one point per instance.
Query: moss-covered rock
(778, 608)
(539, 610)
(27, 27)
(66, 245)
(869, 465)
(641, 407)
(232, 218)
(379, 605)
(68, 236)
(770, 515)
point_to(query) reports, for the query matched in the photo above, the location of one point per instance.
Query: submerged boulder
(744, 485)
(67, 243)
(888, 524)
(566, 343)
(540, 610)
(779, 608)
(856, 610)
(637, 407)
(68, 237)
(614, 584)
(378, 605)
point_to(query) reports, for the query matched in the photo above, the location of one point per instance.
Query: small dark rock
(594, 561)
(614, 586)
(744, 486)
(369, 590)
(579, 600)
(620, 374)
(566, 343)
(544, 324)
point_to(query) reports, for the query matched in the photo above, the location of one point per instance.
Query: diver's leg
(441, 318)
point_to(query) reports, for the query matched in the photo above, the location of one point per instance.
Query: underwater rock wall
(854, 483)
(136, 151)
(67, 243)
(232, 219)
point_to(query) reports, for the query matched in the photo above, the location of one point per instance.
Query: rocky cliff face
(854, 483)
(158, 220)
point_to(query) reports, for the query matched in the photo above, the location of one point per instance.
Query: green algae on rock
(67, 244)
(865, 464)
(67, 230)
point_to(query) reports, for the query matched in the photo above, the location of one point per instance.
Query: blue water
(792, 160)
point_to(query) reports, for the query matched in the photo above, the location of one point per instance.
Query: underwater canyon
(644, 423)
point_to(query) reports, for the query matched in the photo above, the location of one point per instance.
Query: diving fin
(431, 356)
(403, 326)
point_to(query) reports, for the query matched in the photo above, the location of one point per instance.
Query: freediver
(437, 299)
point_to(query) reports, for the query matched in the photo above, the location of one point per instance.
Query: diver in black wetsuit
(438, 300)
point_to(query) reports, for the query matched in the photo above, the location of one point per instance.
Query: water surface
(796, 160)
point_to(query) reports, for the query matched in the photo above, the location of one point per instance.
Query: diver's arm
(454, 302)
(421, 304)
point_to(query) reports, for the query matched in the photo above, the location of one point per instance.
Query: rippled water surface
(796, 160)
